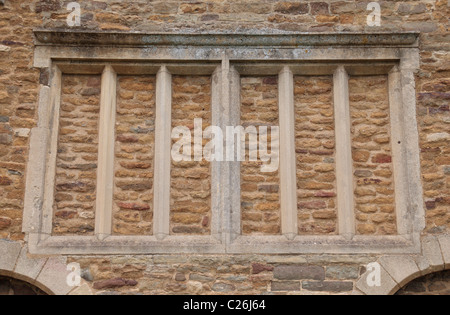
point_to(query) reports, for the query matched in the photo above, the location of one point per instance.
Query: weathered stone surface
(299, 272)
(133, 206)
(406, 273)
(223, 287)
(5, 223)
(200, 278)
(114, 283)
(260, 192)
(54, 276)
(285, 286)
(10, 252)
(258, 268)
(180, 277)
(444, 242)
(342, 272)
(328, 286)
(292, 8)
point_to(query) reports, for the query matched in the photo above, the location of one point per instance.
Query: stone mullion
(49, 184)
(344, 160)
(228, 83)
(233, 89)
(398, 158)
(105, 170)
(288, 179)
(163, 142)
(413, 221)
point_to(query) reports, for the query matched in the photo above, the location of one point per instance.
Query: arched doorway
(11, 286)
(437, 283)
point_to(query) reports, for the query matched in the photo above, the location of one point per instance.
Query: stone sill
(120, 39)
(150, 245)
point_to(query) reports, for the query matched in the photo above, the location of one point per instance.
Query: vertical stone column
(163, 143)
(409, 64)
(105, 170)
(49, 124)
(398, 156)
(217, 176)
(288, 174)
(344, 160)
(234, 168)
(228, 83)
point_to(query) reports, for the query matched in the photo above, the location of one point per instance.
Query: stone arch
(13, 286)
(48, 274)
(397, 271)
(437, 283)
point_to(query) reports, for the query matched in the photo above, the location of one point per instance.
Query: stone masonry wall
(372, 156)
(19, 84)
(315, 148)
(433, 92)
(191, 180)
(76, 162)
(19, 88)
(234, 275)
(135, 138)
(260, 195)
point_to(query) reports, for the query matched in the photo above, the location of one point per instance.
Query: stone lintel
(89, 38)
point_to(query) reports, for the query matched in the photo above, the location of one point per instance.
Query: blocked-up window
(225, 144)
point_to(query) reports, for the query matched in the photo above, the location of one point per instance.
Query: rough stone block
(299, 273)
(223, 287)
(200, 278)
(258, 268)
(114, 283)
(286, 286)
(342, 272)
(328, 286)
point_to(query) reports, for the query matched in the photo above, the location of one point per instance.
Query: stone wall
(76, 163)
(191, 180)
(372, 156)
(315, 148)
(260, 192)
(206, 274)
(135, 138)
(19, 87)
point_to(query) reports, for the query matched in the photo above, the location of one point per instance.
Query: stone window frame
(225, 57)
